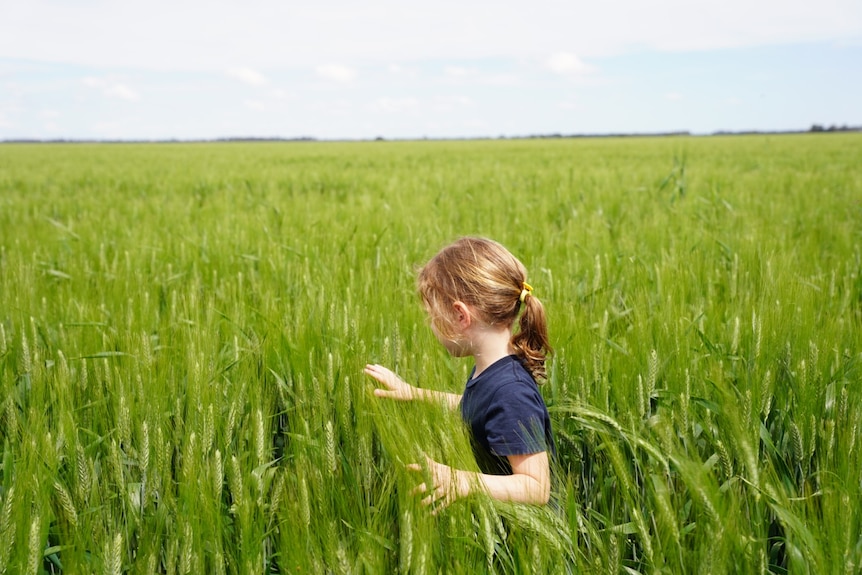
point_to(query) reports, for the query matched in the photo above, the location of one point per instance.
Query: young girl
(473, 291)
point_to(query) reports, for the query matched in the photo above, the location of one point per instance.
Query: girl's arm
(396, 388)
(530, 482)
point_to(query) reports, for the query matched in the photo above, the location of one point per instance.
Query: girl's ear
(463, 317)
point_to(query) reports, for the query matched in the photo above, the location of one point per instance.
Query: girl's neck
(490, 346)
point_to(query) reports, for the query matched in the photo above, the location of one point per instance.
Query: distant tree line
(834, 128)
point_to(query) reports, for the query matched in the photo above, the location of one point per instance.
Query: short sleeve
(516, 421)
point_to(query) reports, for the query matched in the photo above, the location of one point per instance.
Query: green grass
(183, 330)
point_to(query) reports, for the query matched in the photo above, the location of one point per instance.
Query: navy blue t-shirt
(506, 415)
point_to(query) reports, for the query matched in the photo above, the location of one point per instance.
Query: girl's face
(453, 344)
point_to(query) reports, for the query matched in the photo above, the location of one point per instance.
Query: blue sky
(94, 69)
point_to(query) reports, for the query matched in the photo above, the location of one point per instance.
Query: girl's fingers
(374, 371)
(439, 499)
(377, 370)
(440, 507)
(386, 378)
(421, 488)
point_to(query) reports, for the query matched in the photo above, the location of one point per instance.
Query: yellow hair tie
(527, 290)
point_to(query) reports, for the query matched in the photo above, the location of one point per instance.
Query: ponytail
(531, 341)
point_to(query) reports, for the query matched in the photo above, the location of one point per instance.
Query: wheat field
(183, 329)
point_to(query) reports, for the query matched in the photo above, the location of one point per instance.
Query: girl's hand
(393, 386)
(448, 484)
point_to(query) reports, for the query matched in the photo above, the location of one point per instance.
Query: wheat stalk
(83, 485)
(123, 425)
(259, 438)
(114, 555)
(217, 476)
(405, 556)
(25, 365)
(144, 460)
(34, 544)
(7, 530)
(12, 429)
(66, 504)
(304, 503)
(329, 448)
(757, 328)
(208, 432)
(187, 542)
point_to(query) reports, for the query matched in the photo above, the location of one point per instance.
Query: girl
(473, 291)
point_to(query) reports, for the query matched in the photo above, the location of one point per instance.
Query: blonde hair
(486, 276)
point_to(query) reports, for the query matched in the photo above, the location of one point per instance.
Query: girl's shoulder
(519, 372)
(513, 380)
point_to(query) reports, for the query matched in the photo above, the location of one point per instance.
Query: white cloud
(8, 114)
(280, 94)
(673, 96)
(567, 64)
(462, 75)
(500, 80)
(336, 73)
(122, 92)
(394, 32)
(458, 71)
(248, 76)
(477, 125)
(337, 107)
(402, 71)
(450, 103)
(254, 105)
(111, 89)
(396, 105)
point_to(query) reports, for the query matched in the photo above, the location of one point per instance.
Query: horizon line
(814, 129)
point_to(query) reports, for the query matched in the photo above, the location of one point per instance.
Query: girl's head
(484, 275)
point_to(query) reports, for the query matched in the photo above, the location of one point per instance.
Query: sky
(339, 69)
